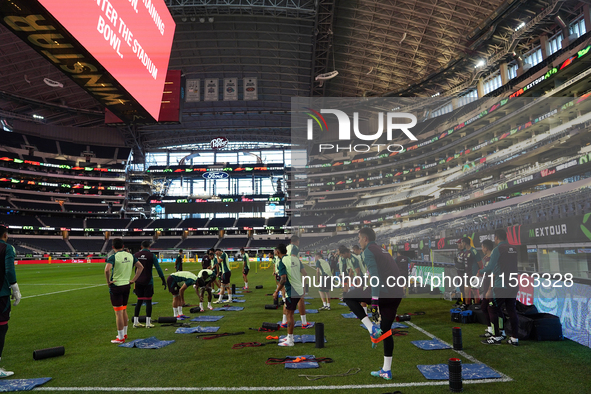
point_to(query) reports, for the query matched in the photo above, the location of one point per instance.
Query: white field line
(504, 378)
(61, 291)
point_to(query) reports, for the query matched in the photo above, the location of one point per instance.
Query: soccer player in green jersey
(177, 283)
(117, 272)
(324, 273)
(291, 271)
(205, 278)
(293, 250)
(224, 264)
(245, 267)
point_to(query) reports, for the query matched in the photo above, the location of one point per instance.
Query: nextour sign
(392, 120)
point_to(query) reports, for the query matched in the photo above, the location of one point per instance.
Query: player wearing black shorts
(224, 264)
(178, 263)
(384, 299)
(144, 285)
(9, 286)
(117, 272)
(245, 267)
(291, 271)
(205, 278)
(324, 274)
(177, 284)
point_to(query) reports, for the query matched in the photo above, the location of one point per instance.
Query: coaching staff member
(503, 261)
(384, 300)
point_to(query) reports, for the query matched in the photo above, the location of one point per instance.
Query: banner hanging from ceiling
(230, 89)
(251, 90)
(193, 90)
(211, 90)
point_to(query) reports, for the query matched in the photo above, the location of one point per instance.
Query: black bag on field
(524, 328)
(546, 327)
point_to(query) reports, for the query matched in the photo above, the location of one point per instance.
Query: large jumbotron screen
(132, 40)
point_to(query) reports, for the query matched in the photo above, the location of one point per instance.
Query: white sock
(175, 311)
(290, 337)
(367, 323)
(324, 303)
(491, 329)
(136, 320)
(284, 321)
(209, 305)
(148, 321)
(387, 364)
(514, 339)
(328, 304)
(365, 309)
(180, 308)
(120, 334)
(220, 298)
(124, 330)
(201, 305)
(304, 319)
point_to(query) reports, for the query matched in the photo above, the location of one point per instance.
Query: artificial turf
(84, 323)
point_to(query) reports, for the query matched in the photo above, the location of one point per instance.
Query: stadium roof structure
(379, 48)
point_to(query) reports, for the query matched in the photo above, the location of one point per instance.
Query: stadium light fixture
(6, 126)
(521, 26)
(480, 63)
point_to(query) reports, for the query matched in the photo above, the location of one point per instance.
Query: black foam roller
(142, 319)
(319, 335)
(258, 287)
(48, 353)
(271, 306)
(167, 319)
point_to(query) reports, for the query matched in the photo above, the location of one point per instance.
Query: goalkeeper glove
(163, 283)
(16, 294)
(375, 312)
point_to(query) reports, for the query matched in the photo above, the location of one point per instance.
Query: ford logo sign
(215, 175)
(219, 142)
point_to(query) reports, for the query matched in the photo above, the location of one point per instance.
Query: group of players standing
(215, 272)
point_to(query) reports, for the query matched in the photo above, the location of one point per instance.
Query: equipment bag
(270, 326)
(546, 327)
(480, 317)
(456, 315)
(526, 310)
(466, 317)
(524, 328)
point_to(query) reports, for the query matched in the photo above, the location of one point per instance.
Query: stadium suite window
(555, 43)
(577, 27)
(533, 57)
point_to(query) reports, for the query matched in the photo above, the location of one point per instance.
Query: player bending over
(177, 284)
(204, 280)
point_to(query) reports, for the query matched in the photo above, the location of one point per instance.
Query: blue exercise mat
(342, 304)
(469, 372)
(432, 344)
(306, 303)
(228, 308)
(303, 339)
(395, 325)
(147, 343)
(7, 385)
(207, 318)
(308, 311)
(308, 298)
(194, 330)
(302, 365)
(351, 315)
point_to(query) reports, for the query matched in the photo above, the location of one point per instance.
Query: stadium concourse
(394, 196)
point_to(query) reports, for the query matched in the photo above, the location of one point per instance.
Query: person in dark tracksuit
(503, 265)
(144, 285)
(384, 297)
(8, 286)
(178, 264)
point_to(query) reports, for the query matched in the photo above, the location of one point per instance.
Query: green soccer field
(68, 305)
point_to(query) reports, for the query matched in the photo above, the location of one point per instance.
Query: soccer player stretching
(177, 284)
(205, 278)
(117, 272)
(290, 271)
(384, 300)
